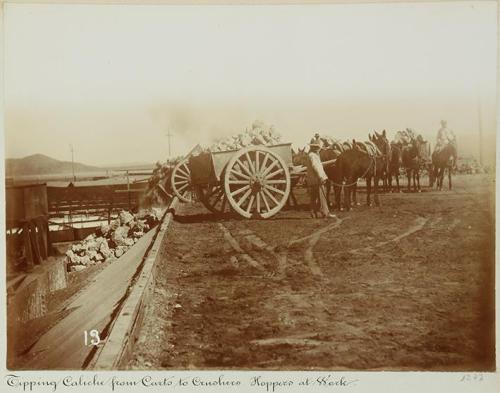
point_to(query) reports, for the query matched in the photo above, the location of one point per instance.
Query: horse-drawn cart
(254, 181)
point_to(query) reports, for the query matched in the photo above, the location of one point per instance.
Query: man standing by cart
(317, 140)
(316, 178)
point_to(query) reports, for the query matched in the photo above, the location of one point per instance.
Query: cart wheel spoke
(263, 166)
(268, 169)
(254, 196)
(271, 188)
(250, 163)
(244, 197)
(240, 190)
(242, 175)
(213, 197)
(271, 196)
(238, 181)
(243, 167)
(276, 172)
(180, 181)
(275, 181)
(250, 204)
(181, 176)
(181, 188)
(182, 170)
(218, 196)
(265, 200)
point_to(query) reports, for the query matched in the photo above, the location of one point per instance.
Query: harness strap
(372, 161)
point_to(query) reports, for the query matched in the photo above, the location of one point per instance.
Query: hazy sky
(111, 79)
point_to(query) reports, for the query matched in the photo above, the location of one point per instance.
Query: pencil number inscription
(472, 378)
(91, 337)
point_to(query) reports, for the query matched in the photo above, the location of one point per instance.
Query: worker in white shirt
(316, 178)
(445, 136)
(317, 140)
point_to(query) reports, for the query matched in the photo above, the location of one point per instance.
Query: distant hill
(39, 164)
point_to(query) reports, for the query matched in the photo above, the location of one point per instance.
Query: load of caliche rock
(158, 191)
(259, 134)
(111, 240)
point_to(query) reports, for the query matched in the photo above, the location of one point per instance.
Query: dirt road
(407, 286)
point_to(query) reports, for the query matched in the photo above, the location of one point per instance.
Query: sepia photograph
(272, 187)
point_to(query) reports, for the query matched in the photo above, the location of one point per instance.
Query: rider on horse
(445, 136)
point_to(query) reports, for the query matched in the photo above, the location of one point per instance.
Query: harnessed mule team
(377, 159)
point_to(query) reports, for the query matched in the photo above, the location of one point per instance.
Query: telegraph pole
(72, 161)
(169, 135)
(478, 92)
(480, 125)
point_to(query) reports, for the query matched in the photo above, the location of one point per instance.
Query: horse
(384, 147)
(395, 163)
(353, 164)
(326, 154)
(446, 158)
(412, 161)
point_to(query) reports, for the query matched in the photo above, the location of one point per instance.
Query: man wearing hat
(317, 140)
(316, 178)
(445, 136)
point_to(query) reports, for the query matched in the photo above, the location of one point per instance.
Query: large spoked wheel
(213, 198)
(181, 182)
(256, 182)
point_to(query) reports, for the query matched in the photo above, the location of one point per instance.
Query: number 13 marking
(94, 337)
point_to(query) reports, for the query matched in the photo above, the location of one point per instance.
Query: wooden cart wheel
(181, 181)
(213, 198)
(256, 182)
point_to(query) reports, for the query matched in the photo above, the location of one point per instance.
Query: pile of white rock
(259, 134)
(111, 240)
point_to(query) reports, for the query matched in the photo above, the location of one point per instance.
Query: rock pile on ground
(111, 240)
